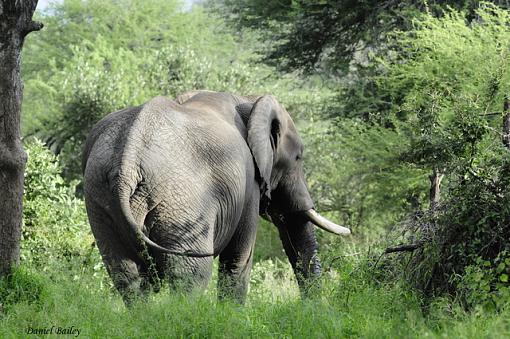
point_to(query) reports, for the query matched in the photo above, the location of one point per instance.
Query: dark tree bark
(15, 23)
(506, 123)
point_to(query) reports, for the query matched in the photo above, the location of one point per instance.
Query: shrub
(449, 74)
(55, 226)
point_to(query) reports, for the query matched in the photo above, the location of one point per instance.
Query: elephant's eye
(298, 157)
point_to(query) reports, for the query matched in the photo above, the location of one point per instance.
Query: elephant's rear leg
(185, 274)
(125, 267)
(189, 234)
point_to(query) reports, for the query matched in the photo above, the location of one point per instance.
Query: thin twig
(490, 114)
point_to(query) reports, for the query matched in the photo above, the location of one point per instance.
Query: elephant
(172, 184)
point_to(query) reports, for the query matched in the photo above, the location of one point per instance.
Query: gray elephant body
(183, 176)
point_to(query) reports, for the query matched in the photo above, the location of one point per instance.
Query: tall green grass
(349, 304)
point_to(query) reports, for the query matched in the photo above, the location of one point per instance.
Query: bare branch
(32, 27)
(403, 248)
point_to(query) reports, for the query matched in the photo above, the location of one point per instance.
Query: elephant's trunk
(300, 245)
(325, 224)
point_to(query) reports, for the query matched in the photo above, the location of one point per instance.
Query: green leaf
(501, 267)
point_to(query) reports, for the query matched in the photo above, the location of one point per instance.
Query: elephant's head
(278, 151)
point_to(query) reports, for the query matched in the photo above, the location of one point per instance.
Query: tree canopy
(307, 35)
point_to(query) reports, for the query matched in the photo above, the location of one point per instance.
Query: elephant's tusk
(325, 224)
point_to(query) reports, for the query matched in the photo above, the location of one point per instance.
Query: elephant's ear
(265, 126)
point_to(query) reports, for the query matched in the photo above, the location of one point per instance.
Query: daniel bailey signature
(70, 330)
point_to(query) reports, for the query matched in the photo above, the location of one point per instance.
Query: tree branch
(32, 27)
(403, 248)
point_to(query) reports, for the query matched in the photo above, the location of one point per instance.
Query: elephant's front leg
(236, 259)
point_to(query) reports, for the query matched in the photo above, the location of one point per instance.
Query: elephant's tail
(128, 217)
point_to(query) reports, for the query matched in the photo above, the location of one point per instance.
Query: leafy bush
(55, 226)
(466, 246)
(485, 282)
(447, 76)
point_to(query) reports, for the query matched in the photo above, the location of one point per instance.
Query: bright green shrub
(486, 282)
(447, 75)
(55, 226)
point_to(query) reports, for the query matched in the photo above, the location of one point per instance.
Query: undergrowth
(350, 304)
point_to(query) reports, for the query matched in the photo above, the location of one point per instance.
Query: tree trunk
(435, 188)
(15, 23)
(506, 123)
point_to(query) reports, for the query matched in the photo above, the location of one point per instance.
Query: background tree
(310, 34)
(15, 23)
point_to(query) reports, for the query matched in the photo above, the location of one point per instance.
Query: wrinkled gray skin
(193, 175)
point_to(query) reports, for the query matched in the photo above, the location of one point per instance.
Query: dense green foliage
(55, 225)
(384, 94)
(453, 75)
